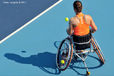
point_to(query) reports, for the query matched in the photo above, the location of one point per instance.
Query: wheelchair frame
(92, 42)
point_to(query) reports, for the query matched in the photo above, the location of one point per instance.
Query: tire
(69, 49)
(97, 50)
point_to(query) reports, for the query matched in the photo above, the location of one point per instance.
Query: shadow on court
(57, 44)
(45, 61)
(77, 64)
(97, 63)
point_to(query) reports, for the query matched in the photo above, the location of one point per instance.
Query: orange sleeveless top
(82, 28)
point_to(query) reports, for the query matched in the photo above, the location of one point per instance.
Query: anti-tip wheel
(88, 73)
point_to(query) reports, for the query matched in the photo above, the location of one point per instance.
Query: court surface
(29, 39)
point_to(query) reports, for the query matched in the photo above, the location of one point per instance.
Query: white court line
(30, 21)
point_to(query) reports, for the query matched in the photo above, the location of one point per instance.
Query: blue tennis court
(31, 32)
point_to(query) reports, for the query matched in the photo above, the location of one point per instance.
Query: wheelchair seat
(82, 42)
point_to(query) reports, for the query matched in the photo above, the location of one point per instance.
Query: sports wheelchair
(69, 49)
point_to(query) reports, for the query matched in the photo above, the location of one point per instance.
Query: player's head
(77, 6)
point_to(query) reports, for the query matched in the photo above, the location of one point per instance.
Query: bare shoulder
(71, 19)
(88, 16)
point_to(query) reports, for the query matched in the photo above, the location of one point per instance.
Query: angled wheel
(98, 50)
(64, 54)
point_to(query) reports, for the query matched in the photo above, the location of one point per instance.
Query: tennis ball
(62, 61)
(66, 19)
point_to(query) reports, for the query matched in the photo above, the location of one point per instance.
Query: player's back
(81, 24)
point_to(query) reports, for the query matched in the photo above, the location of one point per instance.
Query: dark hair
(78, 6)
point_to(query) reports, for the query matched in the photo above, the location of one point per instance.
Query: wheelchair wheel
(64, 54)
(98, 50)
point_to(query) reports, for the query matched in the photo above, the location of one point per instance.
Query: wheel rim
(65, 46)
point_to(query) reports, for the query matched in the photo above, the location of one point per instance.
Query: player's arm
(92, 24)
(70, 28)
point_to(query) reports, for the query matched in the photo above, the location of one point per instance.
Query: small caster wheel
(88, 73)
